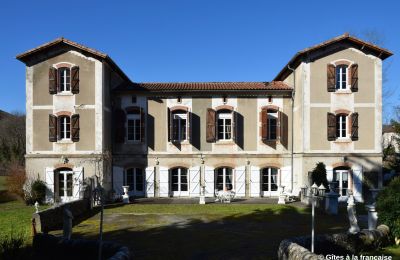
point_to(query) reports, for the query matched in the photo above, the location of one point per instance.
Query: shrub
(35, 190)
(388, 206)
(15, 181)
(318, 175)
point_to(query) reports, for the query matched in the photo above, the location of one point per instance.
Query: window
(269, 179)
(179, 99)
(134, 99)
(135, 180)
(179, 122)
(65, 184)
(272, 124)
(341, 77)
(341, 177)
(224, 125)
(179, 181)
(64, 75)
(224, 100)
(224, 179)
(65, 127)
(133, 127)
(341, 126)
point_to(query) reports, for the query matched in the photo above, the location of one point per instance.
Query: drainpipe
(292, 135)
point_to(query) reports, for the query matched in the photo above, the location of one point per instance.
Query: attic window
(224, 100)
(269, 99)
(179, 99)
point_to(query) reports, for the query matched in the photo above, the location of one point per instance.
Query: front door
(269, 181)
(179, 182)
(135, 181)
(341, 177)
(224, 179)
(65, 185)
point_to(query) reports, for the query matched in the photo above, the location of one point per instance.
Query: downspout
(292, 121)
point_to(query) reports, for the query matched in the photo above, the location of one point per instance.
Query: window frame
(343, 119)
(339, 74)
(224, 115)
(63, 86)
(62, 133)
(179, 115)
(133, 116)
(272, 114)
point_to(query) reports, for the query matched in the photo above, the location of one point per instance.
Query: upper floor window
(64, 127)
(64, 79)
(179, 126)
(272, 118)
(224, 125)
(341, 126)
(64, 76)
(341, 77)
(133, 127)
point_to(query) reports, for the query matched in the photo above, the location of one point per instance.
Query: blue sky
(192, 40)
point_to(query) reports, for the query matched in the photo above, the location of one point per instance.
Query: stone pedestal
(372, 217)
(282, 197)
(125, 197)
(202, 200)
(331, 203)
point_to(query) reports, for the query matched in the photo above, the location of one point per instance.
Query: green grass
(219, 231)
(3, 183)
(393, 251)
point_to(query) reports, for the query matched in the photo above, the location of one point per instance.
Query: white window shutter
(149, 182)
(49, 180)
(164, 182)
(357, 184)
(209, 181)
(118, 179)
(240, 184)
(77, 183)
(255, 181)
(194, 175)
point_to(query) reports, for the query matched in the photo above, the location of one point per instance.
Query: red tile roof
(204, 86)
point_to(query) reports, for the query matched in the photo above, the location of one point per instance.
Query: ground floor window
(341, 177)
(64, 184)
(269, 179)
(135, 180)
(179, 182)
(224, 179)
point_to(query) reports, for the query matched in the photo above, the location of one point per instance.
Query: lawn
(215, 231)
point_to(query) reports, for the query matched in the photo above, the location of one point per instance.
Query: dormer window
(341, 77)
(64, 76)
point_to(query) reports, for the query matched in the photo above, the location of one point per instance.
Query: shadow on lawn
(240, 236)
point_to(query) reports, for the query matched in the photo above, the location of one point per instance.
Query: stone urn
(125, 197)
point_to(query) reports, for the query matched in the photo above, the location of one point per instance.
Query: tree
(318, 175)
(12, 139)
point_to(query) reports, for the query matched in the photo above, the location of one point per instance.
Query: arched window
(269, 180)
(341, 178)
(224, 124)
(341, 77)
(224, 178)
(179, 182)
(63, 184)
(64, 76)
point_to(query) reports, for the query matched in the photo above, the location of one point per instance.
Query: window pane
(274, 179)
(183, 129)
(220, 129)
(139, 180)
(130, 179)
(184, 187)
(228, 128)
(175, 130)
(61, 184)
(272, 128)
(137, 130)
(69, 184)
(220, 179)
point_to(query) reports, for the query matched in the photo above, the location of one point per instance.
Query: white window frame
(63, 85)
(224, 116)
(341, 80)
(64, 133)
(63, 174)
(133, 117)
(181, 116)
(134, 172)
(180, 192)
(341, 116)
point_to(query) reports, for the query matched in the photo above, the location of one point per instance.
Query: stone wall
(338, 244)
(52, 218)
